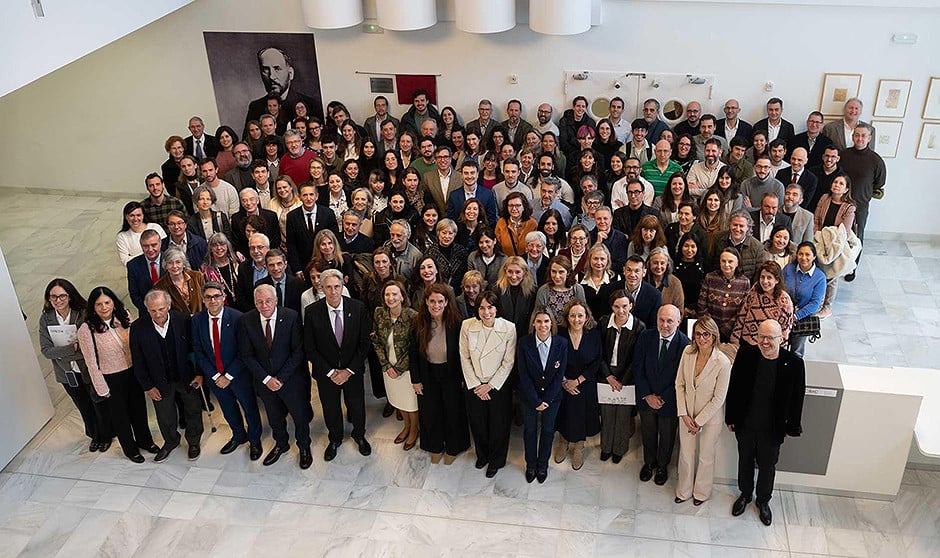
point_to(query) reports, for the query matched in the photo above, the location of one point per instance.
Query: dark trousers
(289, 400)
(375, 375)
(756, 445)
(332, 397)
(442, 412)
(538, 441)
(168, 417)
(659, 437)
(95, 415)
(240, 392)
(128, 407)
(490, 422)
(861, 219)
(798, 344)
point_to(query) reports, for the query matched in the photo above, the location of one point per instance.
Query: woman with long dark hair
(104, 339)
(63, 311)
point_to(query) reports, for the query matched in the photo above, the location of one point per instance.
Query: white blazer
(491, 361)
(703, 398)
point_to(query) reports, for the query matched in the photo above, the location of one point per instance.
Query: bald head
(693, 112)
(662, 151)
(798, 159)
(667, 320)
(769, 337)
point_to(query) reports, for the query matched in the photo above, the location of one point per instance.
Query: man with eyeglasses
(590, 203)
(631, 171)
(192, 245)
(441, 180)
(825, 173)
(240, 176)
(692, 122)
(545, 124)
(812, 140)
(628, 217)
(484, 124)
(764, 406)
(762, 182)
(731, 126)
(651, 115)
(658, 171)
(296, 162)
(425, 163)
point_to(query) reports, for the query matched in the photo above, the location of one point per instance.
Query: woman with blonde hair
(285, 198)
(701, 387)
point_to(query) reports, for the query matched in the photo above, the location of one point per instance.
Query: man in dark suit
(615, 241)
(469, 171)
(373, 124)
(288, 288)
(194, 246)
(812, 140)
(251, 271)
(215, 345)
(764, 406)
(277, 74)
(655, 364)
(797, 173)
(731, 122)
(251, 205)
(303, 223)
(646, 298)
(775, 123)
(627, 217)
(160, 349)
(200, 144)
(144, 270)
(768, 217)
(270, 344)
(352, 241)
(337, 339)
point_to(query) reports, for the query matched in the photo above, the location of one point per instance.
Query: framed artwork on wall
(887, 137)
(836, 90)
(893, 95)
(932, 101)
(929, 145)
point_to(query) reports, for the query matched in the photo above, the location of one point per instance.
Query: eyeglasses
(814, 121)
(592, 202)
(634, 192)
(58, 297)
(702, 334)
(578, 239)
(213, 297)
(766, 337)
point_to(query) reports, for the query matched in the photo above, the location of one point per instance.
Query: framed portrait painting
(893, 95)
(836, 90)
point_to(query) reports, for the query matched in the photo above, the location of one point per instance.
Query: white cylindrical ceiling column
(560, 17)
(406, 15)
(485, 16)
(331, 14)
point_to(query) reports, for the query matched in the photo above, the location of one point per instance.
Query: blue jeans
(538, 442)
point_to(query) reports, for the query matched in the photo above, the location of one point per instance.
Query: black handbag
(807, 327)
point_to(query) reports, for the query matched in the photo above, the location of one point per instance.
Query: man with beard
(544, 116)
(296, 162)
(240, 176)
(692, 123)
(626, 218)
(546, 166)
(516, 127)
(277, 74)
(762, 182)
(651, 115)
(825, 173)
(704, 173)
(706, 132)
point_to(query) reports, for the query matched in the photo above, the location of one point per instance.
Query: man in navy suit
(216, 348)
(469, 172)
(160, 349)
(287, 287)
(796, 173)
(144, 270)
(646, 298)
(303, 223)
(614, 240)
(194, 246)
(337, 339)
(776, 127)
(813, 141)
(764, 406)
(270, 344)
(731, 125)
(200, 144)
(655, 365)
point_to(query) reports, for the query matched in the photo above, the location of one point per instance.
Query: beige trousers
(691, 482)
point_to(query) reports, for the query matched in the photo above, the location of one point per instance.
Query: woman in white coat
(487, 355)
(701, 387)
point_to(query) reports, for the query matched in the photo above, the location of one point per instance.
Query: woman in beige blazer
(487, 355)
(701, 387)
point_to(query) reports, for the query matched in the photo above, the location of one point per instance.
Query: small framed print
(932, 102)
(836, 90)
(929, 145)
(887, 137)
(893, 95)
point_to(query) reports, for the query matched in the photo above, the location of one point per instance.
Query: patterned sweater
(722, 300)
(760, 306)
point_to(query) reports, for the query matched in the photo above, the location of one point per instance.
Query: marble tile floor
(58, 500)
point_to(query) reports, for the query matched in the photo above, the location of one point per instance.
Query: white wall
(105, 117)
(68, 31)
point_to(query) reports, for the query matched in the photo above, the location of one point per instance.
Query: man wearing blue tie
(216, 348)
(655, 366)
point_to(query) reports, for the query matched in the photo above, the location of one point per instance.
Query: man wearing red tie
(144, 270)
(216, 348)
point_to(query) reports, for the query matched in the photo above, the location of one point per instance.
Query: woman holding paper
(62, 313)
(701, 387)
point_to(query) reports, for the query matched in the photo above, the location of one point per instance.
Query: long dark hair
(76, 301)
(120, 312)
(560, 236)
(129, 207)
(422, 321)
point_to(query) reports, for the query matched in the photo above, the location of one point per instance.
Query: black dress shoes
(330, 453)
(104, 446)
(529, 475)
(491, 471)
(481, 462)
(93, 446)
(136, 458)
(388, 410)
(364, 447)
(766, 517)
(306, 459)
(274, 455)
(616, 458)
(254, 451)
(605, 456)
(194, 452)
(231, 446)
(164, 453)
(152, 448)
(646, 473)
(740, 505)
(662, 475)
(679, 500)
(541, 475)
(697, 502)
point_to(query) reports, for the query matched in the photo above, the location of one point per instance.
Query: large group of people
(558, 262)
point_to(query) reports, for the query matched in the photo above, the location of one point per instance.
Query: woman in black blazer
(438, 381)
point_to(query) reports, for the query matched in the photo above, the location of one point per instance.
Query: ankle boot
(577, 455)
(561, 448)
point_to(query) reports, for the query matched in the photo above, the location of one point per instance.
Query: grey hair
(449, 223)
(174, 254)
(152, 294)
(743, 214)
(203, 188)
(267, 241)
(327, 273)
(536, 235)
(264, 116)
(404, 224)
(291, 134)
(855, 99)
(265, 289)
(664, 251)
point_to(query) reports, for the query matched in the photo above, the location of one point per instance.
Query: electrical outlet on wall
(768, 86)
(513, 79)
